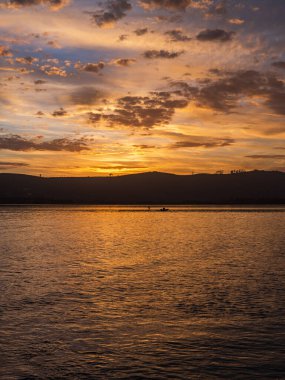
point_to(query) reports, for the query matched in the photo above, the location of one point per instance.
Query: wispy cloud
(167, 4)
(20, 143)
(53, 4)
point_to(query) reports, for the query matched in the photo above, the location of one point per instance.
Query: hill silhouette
(255, 187)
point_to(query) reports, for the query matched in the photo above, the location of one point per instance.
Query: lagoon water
(124, 293)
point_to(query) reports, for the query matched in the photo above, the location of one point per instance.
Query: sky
(93, 88)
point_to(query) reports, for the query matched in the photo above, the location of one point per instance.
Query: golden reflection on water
(106, 294)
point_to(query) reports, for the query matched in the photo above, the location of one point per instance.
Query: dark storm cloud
(53, 4)
(202, 143)
(144, 111)
(60, 112)
(165, 54)
(19, 143)
(86, 96)
(266, 156)
(177, 36)
(279, 65)
(220, 35)
(141, 32)
(224, 94)
(113, 11)
(167, 4)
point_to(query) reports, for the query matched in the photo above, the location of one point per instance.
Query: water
(121, 293)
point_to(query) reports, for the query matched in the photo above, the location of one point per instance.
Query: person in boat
(164, 209)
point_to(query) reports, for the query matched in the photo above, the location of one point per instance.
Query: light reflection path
(89, 293)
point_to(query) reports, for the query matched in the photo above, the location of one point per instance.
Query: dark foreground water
(98, 293)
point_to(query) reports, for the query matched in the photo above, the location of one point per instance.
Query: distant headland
(254, 187)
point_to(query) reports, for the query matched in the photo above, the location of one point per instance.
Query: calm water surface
(120, 293)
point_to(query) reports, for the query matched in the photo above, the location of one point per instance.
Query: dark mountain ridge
(255, 187)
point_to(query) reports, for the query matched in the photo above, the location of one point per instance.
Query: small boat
(164, 209)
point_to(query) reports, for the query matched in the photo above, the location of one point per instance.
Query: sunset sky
(92, 87)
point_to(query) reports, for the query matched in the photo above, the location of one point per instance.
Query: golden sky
(92, 87)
